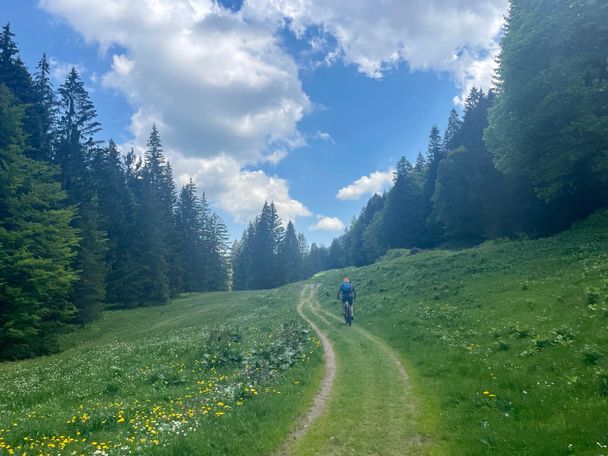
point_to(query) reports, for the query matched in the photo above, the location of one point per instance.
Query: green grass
(222, 373)
(506, 348)
(372, 409)
(507, 342)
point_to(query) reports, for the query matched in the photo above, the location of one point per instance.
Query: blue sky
(285, 101)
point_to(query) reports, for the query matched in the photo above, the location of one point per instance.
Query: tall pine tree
(75, 146)
(37, 244)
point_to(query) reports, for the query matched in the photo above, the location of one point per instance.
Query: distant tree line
(527, 158)
(269, 255)
(81, 227)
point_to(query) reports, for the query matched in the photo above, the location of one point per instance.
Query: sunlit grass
(507, 341)
(192, 375)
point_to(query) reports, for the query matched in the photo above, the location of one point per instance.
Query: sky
(306, 103)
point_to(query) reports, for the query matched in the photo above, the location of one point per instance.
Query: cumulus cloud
(225, 92)
(221, 89)
(376, 182)
(60, 70)
(220, 84)
(446, 35)
(323, 136)
(327, 224)
(241, 193)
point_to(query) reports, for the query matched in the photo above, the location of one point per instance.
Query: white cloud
(478, 72)
(60, 70)
(276, 156)
(327, 224)
(218, 82)
(376, 182)
(241, 193)
(445, 35)
(323, 136)
(225, 92)
(221, 89)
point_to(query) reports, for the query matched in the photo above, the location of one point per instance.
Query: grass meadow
(220, 373)
(505, 346)
(506, 343)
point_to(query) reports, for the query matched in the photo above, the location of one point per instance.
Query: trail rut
(365, 405)
(320, 401)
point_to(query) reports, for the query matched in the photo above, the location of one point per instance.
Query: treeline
(82, 227)
(528, 158)
(269, 255)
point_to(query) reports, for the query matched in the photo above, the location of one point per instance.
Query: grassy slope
(508, 340)
(148, 366)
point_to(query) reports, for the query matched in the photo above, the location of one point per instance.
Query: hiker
(347, 294)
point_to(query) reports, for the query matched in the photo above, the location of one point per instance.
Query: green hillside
(506, 343)
(219, 373)
(504, 348)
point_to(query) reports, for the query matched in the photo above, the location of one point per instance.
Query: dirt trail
(359, 365)
(307, 298)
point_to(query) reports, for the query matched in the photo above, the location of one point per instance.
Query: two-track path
(364, 405)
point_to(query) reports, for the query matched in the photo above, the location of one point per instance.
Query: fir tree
(242, 267)
(46, 105)
(192, 250)
(116, 207)
(265, 249)
(36, 244)
(158, 178)
(290, 259)
(74, 150)
(452, 131)
(548, 124)
(217, 275)
(16, 77)
(404, 209)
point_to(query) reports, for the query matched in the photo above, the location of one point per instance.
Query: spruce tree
(37, 244)
(242, 266)
(75, 146)
(290, 258)
(46, 105)
(116, 207)
(436, 152)
(336, 256)
(159, 177)
(452, 131)
(217, 275)
(13, 73)
(549, 120)
(193, 251)
(404, 213)
(153, 222)
(89, 292)
(264, 275)
(16, 77)
(469, 190)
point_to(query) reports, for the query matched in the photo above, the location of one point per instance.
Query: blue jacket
(346, 295)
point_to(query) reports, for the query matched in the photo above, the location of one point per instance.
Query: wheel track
(320, 401)
(320, 407)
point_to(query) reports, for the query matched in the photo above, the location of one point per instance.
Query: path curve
(385, 348)
(320, 401)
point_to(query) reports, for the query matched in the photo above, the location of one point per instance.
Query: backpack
(347, 289)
